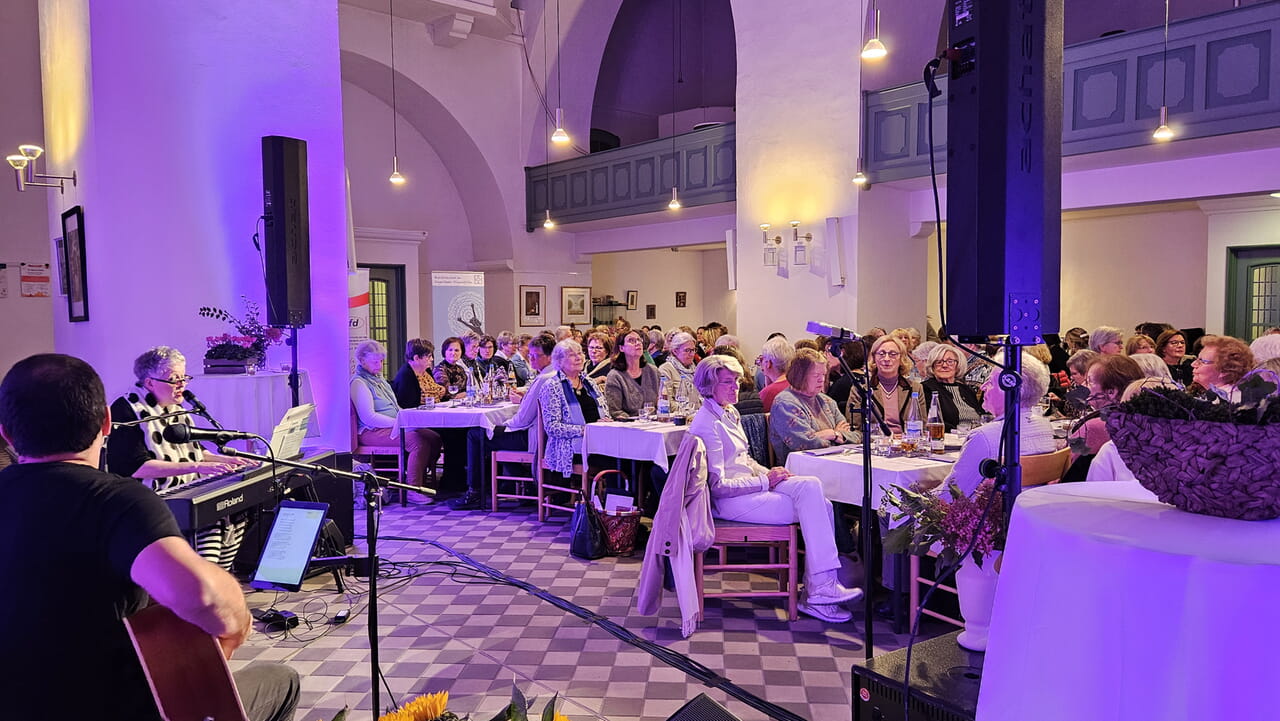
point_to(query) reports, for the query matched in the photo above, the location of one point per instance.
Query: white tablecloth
(644, 441)
(841, 472)
(1113, 606)
(446, 416)
(253, 403)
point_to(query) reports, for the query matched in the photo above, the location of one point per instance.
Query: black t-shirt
(126, 447)
(590, 409)
(70, 534)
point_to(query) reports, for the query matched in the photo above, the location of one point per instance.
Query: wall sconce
(24, 168)
(800, 244)
(771, 245)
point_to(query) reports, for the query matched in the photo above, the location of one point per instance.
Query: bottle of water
(473, 390)
(664, 401)
(913, 426)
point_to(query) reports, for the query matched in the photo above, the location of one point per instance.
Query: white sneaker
(829, 593)
(824, 612)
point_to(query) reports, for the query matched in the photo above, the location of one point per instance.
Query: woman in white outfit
(743, 490)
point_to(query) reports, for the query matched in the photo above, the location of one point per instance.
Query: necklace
(887, 390)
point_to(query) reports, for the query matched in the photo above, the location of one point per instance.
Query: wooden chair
(1037, 470)
(560, 484)
(524, 485)
(377, 455)
(782, 543)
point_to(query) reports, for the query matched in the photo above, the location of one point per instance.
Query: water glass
(646, 412)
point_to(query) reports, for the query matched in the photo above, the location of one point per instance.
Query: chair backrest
(1042, 468)
(756, 426)
(355, 426)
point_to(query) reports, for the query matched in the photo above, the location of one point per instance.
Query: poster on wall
(457, 303)
(35, 279)
(357, 312)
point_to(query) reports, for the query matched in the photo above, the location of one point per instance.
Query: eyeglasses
(1176, 342)
(1202, 361)
(946, 362)
(181, 381)
(888, 354)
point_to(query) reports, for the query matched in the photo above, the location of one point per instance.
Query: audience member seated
(1107, 377)
(376, 411)
(1264, 348)
(680, 364)
(1171, 347)
(450, 372)
(1035, 432)
(516, 350)
(653, 347)
(632, 382)
(471, 351)
(748, 397)
(979, 368)
(413, 383)
(958, 402)
(1222, 362)
(854, 354)
(804, 417)
(514, 436)
(891, 388)
(1107, 465)
(743, 490)
(775, 358)
(569, 402)
(96, 548)
(1139, 344)
(1107, 340)
(600, 356)
(489, 362)
(1152, 367)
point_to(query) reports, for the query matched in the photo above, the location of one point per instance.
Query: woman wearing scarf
(376, 410)
(568, 404)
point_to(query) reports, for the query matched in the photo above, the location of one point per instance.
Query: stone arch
(470, 171)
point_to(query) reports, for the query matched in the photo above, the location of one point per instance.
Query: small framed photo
(682, 299)
(77, 270)
(771, 257)
(633, 299)
(651, 312)
(801, 253)
(533, 306)
(575, 304)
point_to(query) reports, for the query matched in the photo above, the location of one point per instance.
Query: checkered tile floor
(475, 639)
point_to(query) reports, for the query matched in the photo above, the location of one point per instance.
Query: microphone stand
(373, 485)
(864, 533)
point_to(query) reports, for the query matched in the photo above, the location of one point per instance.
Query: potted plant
(229, 353)
(953, 524)
(1203, 453)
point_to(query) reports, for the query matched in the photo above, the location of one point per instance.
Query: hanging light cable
(559, 136)
(874, 49)
(1164, 133)
(548, 223)
(396, 178)
(675, 76)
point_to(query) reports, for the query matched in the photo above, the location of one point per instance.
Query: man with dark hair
(96, 545)
(512, 437)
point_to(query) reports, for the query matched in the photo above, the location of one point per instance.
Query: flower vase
(977, 591)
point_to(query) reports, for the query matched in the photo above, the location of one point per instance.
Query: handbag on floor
(586, 532)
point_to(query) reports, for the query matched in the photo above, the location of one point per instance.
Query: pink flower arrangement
(953, 524)
(253, 340)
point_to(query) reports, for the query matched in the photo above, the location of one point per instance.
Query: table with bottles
(457, 414)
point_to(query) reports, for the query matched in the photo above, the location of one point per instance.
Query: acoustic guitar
(188, 675)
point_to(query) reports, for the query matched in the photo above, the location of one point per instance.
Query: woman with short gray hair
(569, 402)
(957, 401)
(743, 490)
(376, 408)
(1107, 340)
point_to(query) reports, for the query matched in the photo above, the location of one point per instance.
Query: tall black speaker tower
(288, 231)
(1004, 167)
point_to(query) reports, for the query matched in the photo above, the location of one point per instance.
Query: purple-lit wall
(165, 132)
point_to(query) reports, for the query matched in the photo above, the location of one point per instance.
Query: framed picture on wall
(77, 285)
(633, 299)
(682, 299)
(651, 312)
(575, 304)
(533, 306)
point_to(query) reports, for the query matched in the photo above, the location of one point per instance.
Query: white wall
(165, 132)
(384, 246)
(1122, 270)
(26, 324)
(657, 275)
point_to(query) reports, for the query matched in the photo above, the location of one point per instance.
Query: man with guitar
(85, 549)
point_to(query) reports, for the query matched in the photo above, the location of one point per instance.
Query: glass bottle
(937, 429)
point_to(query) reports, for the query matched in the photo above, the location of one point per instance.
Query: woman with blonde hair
(1139, 344)
(891, 388)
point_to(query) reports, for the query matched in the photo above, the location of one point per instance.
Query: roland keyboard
(207, 500)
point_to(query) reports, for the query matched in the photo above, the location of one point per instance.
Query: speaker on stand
(287, 226)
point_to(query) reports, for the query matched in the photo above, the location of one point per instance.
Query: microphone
(834, 332)
(198, 408)
(183, 433)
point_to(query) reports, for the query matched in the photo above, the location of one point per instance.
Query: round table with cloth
(1113, 606)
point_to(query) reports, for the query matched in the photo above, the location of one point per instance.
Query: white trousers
(797, 499)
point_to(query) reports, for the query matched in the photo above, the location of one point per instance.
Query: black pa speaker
(1004, 168)
(702, 708)
(288, 231)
